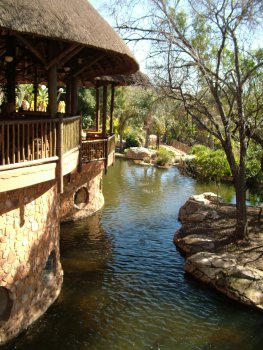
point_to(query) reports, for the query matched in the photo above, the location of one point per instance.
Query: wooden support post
(68, 96)
(35, 89)
(52, 82)
(11, 74)
(97, 108)
(104, 111)
(52, 91)
(60, 155)
(112, 108)
(74, 96)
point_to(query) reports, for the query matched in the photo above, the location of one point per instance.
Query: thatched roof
(66, 22)
(138, 79)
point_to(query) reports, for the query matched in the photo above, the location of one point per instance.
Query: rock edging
(206, 238)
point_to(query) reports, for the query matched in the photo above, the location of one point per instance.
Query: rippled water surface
(124, 285)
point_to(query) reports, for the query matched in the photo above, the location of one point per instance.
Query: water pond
(124, 286)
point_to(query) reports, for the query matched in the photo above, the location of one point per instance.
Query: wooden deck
(30, 142)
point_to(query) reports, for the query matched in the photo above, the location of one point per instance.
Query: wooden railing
(97, 149)
(111, 144)
(93, 150)
(27, 140)
(71, 133)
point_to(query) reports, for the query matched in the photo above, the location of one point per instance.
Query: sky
(139, 51)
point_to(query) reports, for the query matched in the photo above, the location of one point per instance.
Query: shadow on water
(124, 284)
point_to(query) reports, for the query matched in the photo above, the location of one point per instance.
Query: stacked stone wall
(82, 195)
(30, 269)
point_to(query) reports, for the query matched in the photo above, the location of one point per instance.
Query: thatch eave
(67, 21)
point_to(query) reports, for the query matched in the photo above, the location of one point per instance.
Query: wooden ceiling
(35, 55)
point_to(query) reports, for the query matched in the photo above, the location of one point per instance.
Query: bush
(254, 173)
(213, 164)
(210, 164)
(131, 141)
(164, 157)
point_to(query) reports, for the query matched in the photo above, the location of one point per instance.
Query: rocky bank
(206, 238)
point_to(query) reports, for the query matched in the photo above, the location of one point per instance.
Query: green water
(124, 286)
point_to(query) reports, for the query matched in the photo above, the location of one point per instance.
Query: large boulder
(199, 207)
(140, 153)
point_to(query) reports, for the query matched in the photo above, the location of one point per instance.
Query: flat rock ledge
(206, 239)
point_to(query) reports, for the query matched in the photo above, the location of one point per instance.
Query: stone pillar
(30, 269)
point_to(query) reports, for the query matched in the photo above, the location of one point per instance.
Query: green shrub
(213, 164)
(131, 141)
(254, 173)
(210, 164)
(164, 157)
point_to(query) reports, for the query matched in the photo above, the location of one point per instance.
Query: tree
(123, 111)
(87, 104)
(202, 54)
(134, 106)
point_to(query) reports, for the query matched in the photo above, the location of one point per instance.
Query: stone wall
(30, 269)
(82, 192)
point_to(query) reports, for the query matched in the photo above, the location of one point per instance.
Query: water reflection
(124, 285)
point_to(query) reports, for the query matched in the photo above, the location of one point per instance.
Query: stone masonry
(30, 269)
(82, 192)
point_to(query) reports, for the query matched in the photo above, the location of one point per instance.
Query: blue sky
(139, 51)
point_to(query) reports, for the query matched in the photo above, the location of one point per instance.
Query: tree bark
(121, 142)
(147, 133)
(241, 208)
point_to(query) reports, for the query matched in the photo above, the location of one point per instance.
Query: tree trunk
(121, 142)
(241, 208)
(158, 141)
(239, 176)
(147, 133)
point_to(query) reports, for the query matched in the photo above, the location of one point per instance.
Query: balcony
(35, 148)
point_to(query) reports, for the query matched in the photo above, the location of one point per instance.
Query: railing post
(106, 156)
(60, 154)
(80, 145)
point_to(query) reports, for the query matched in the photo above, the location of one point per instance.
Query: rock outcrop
(212, 255)
(140, 153)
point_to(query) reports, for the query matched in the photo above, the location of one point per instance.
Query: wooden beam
(31, 48)
(55, 61)
(88, 65)
(70, 55)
